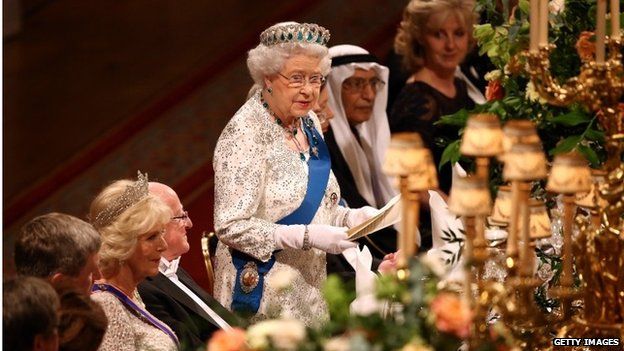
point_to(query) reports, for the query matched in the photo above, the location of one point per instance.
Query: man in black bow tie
(172, 295)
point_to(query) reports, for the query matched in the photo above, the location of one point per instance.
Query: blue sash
(250, 272)
(129, 303)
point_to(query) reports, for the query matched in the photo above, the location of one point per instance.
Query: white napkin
(495, 234)
(443, 220)
(365, 302)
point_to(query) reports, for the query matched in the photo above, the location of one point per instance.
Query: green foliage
(544, 302)
(408, 321)
(503, 39)
(339, 296)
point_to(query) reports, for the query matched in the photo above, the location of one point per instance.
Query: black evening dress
(418, 107)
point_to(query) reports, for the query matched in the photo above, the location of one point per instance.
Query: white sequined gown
(258, 181)
(126, 331)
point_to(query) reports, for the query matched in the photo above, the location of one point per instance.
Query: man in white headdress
(359, 134)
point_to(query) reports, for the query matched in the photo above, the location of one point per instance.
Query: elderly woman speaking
(276, 199)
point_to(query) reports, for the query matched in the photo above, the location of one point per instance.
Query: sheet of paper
(387, 216)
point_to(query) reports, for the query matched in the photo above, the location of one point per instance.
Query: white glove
(360, 215)
(323, 237)
(329, 238)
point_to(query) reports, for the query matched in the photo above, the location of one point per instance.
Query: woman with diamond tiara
(131, 223)
(276, 199)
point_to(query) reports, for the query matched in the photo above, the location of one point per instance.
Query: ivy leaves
(587, 142)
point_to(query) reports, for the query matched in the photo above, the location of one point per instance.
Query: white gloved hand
(289, 236)
(329, 238)
(323, 237)
(360, 215)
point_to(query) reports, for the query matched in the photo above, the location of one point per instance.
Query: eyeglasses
(322, 116)
(356, 85)
(183, 218)
(298, 80)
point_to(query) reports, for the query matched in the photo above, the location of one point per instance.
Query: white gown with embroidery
(258, 181)
(126, 330)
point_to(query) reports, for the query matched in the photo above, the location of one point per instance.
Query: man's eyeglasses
(356, 85)
(183, 218)
(298, 80)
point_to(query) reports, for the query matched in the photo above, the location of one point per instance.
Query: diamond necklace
(291, 132)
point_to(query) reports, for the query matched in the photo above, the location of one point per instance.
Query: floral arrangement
(511, 95)
(419, 315)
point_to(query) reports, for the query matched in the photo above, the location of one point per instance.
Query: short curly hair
(416, 16)
(120, 237)
(264, 61)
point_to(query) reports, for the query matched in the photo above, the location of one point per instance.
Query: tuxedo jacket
(171, 305)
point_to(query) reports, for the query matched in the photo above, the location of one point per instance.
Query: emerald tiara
(309, 33)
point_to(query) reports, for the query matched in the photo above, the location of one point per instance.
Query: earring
(270, 91)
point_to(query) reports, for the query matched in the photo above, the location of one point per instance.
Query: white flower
(339, 343)
(284, 334)
(435, 263)
(282, 279)
(366, 305)
(556, 6)
(412, 346)
(546, 272)
(532, 95)
(493, 75)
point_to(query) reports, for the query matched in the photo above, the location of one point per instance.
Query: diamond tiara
(295, 33)
(134, 193)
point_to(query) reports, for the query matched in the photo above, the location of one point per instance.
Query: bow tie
(169, 269)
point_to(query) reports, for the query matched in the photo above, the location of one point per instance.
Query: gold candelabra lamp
(599, 247)
(411, 162)
(470, 198)
(569, 175)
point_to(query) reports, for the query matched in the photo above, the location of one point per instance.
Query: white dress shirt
(170, 269)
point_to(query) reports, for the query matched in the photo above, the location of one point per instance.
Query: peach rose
(494, 91)
(227, 340)
(585, 46)
(452, 315)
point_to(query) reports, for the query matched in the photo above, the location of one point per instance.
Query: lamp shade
(406, 155)
(428, 179)
(569, 174)
(592, 199)
(539, 221)
(502, 207)
(482, 136)
(525, 162)
(470, 197)
(519, 131)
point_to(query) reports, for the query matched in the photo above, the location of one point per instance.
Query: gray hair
(264, 61)
(55, 242)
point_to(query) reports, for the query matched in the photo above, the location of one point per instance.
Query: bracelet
(306, 239)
